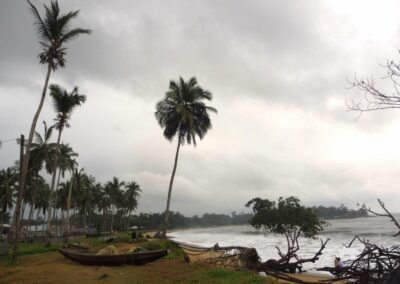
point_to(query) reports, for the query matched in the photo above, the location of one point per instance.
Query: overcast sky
(277, 71)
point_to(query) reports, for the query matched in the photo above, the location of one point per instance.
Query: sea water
(378, 230)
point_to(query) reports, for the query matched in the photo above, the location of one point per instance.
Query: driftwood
(285, 264)
(375, 264)
(386, 214)
(237, 257)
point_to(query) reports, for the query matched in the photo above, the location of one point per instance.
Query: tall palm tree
(64, 104)
(54, 32)
(183, 113)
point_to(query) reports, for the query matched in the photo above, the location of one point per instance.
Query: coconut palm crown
(64, 103)
(183, 112)
(54, 32)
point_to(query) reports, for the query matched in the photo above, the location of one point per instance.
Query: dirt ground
(54, 268)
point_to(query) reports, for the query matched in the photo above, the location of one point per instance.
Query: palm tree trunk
(25, 164)
(55, 199)
(53, 183)
(127, 221)
(84, 218)
(44, 221)
(30, 218)
(67, 230)
(166, 217)
(23, 211)
(112, 218)
(1, 222)
(37, 220)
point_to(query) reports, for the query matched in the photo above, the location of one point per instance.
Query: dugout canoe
(136, 258)
(77, 247)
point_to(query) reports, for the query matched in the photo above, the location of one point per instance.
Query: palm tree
(113, 190)
(183, 113)
(8, 185)
(64, 104)
(131, 196)
(42, 150)
(41, 201)
(54, 32)
(66, 162)
(104, 204)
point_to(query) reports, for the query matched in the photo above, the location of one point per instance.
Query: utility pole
(19, 199)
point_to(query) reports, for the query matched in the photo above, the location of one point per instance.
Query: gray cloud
(278, 74)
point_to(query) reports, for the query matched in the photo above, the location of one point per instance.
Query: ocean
(379, 230)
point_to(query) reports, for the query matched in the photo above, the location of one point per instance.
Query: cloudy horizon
(278, 73)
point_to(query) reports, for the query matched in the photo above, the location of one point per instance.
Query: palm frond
(40, 25)
(74, 33)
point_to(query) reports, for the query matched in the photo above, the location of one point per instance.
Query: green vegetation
(289, 218)
(25, 249)
(177, 220)
(29, 249)
(175, 252)
(286, 217)
(341, 212)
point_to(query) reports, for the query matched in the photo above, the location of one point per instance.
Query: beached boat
(77, 247)
(112, 260)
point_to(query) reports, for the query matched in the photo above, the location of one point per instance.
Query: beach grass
(52, 267)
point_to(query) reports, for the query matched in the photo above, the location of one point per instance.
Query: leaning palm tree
(54, 32)
(64, 104)
(183, 113)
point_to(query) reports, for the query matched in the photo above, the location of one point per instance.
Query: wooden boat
(77, 247)
(112, 260)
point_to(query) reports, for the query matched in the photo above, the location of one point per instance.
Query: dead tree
(386, 214)
(291, 262)
(375, 264)
(375, 98)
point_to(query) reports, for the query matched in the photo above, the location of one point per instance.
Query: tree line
(341, 212)
(177, 220)
(76, 201)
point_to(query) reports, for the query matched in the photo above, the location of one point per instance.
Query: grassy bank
(39, 264)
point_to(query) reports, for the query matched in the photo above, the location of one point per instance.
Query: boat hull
(137, 258)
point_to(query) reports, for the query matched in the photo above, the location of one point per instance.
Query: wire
(8, 140)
